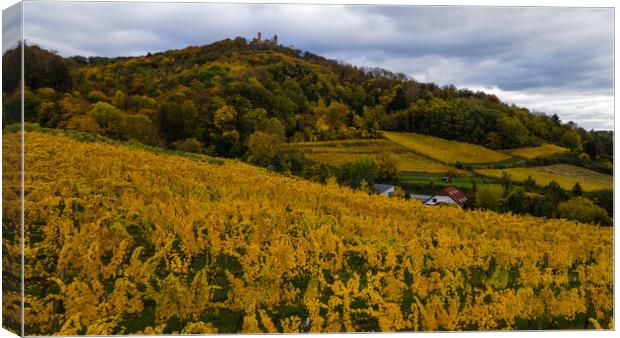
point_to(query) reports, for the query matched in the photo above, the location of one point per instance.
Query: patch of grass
(422, 183)
(446, 151)
(565, 175)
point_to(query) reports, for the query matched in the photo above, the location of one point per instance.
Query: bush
(353, 173)
(263, 148)
(190, 145)
(84, 123)
(490, 197)
(386, 168)
(583, 210)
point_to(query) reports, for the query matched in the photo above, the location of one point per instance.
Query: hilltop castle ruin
(258, 41)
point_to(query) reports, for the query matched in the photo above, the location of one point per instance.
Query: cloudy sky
(554, 60)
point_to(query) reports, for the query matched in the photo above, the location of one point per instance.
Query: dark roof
(381, 188)
(455, 194)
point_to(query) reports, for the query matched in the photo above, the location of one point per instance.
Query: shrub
(189, 145)
(489, 197)
(583, 210)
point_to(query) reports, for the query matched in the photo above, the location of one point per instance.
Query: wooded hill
(214, 98)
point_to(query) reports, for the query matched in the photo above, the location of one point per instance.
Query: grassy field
(421, 182)
(446, 151)
(339, 152)
(564, 174)
(534, 152)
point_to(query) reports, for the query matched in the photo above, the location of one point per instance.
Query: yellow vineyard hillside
(339, 152)
(564, 174)
(129, 241)
(446, 151)
(540, 151)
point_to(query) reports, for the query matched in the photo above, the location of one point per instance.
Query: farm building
(448, 195)
(421, 198)
(383, 189)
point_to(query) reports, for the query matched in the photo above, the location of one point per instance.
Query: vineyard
(446, 151)
(125, 241)
(564, 174)
(339, 152)
(544, 150)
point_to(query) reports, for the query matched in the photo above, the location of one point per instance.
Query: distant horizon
(554, 60)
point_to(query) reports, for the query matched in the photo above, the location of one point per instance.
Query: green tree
(584, 158)
(517, 202)
(96, 96)
(120, 100)
(490, 197)
(272, 126)
(571, 139)
(493, 141)
(139, 128)
(262, 148)
(353, 173)
(225, 118)
(250, 120)
(331, 118)
(577, 190)
(554, 192)
(177, 118)
(108, 117)
(506, 182)
(71, 105)
(386, 168)
(529, 184)
(50, 115)
(46, 93)
(512, 132)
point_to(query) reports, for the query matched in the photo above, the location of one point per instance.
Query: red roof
(455, 194)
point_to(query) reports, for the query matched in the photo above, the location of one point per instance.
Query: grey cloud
(526, 50)
(11, 27)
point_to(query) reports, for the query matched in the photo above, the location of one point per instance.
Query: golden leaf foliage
(123, 240)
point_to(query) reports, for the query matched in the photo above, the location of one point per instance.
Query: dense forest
(234, 95)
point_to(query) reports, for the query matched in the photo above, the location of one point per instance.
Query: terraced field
(446, 151)
(564, 174)
(534, 152)
(339, 152)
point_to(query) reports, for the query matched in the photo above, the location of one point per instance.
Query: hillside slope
(123, 240)
(218, 95)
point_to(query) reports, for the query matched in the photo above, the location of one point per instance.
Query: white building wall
(388, 192)
(440, 199)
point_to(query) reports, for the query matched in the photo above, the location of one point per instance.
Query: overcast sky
(555, 60)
